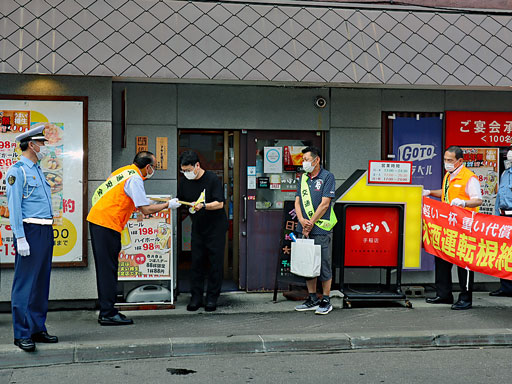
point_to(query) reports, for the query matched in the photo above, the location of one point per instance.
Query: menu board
(146, 248)
(63, 167)
(390, 172)
(290, 221)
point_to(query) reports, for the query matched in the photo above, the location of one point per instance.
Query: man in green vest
(316, 220)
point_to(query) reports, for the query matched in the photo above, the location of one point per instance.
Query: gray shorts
(325, 241)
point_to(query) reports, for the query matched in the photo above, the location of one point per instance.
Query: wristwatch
(204, 205)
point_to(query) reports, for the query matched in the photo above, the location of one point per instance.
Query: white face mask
(449, 167)
(148, 175)
(509, 156)
(308, 166)
(190, 174)
(43, 152)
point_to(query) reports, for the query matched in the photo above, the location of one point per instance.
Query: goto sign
(64, 237)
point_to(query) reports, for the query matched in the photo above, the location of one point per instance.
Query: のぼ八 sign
(470, 240)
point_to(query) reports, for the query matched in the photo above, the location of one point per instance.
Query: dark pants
(444, 281)
(106, 245)
(31, 284)
(506, 285)
(207, 247)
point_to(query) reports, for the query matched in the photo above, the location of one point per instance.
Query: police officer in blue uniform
(503, 207)
(30, 206)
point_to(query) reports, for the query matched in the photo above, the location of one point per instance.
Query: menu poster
(485, 165)
(63, 167)
(292, 158)
(146, 248)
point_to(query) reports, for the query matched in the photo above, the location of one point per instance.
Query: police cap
(36, 133)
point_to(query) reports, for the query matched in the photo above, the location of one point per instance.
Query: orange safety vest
(115, 207)
(457, 187)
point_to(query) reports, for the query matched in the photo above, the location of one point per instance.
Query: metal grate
(231, 41)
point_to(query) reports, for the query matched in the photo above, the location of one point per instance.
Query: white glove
(174, 203)
(23, 247)
(458, 202)
(426, 192)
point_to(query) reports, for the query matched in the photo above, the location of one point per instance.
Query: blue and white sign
(273, 159)
(421, 141)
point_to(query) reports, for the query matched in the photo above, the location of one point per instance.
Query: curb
(69, 352)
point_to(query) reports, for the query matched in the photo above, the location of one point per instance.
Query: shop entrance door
(262, 197)
(218, 152)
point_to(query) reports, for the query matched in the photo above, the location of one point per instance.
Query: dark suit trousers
(444, 280)
(106, 245)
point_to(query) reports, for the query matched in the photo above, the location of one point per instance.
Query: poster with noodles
(63, 168)
(146, 248)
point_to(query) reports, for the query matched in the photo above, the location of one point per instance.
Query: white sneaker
(308, 305)
(324, 308)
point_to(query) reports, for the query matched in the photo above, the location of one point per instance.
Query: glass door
(217, 151)
(269, 177)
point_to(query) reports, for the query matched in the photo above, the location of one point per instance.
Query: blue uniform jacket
(504, 197)
(27, 200)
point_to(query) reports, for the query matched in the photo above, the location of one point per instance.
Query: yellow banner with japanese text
(477, 241)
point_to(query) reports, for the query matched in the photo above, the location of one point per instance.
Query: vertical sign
(141, 144)
(63, 168)
(421, 141)
(161, 153)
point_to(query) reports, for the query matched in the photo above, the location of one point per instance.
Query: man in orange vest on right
(113, 203)
(461, 188)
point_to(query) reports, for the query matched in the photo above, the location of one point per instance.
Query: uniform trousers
(106, 245)
(207, 247)
(444, 280)
(31, 284)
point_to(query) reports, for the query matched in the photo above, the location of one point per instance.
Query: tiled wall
(162, 39)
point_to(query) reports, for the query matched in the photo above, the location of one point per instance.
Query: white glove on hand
(458, 202)
(426, 192)
(23, 247)
(173, 203)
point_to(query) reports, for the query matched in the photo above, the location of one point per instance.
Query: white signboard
(273, 160)
(63, 168)
(390, 172)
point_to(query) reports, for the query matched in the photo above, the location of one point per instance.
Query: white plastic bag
(306, 258)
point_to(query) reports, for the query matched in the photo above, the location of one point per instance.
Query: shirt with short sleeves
(204, 221)
(134, 188)
(322, 185)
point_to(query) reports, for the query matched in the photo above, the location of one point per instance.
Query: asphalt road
(448, 365)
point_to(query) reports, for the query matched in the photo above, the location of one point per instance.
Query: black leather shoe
(118, 319)
(439, 300)
(500, 292)
(210, 306)
(27, 345)
(461, 305)
(44, 337)
(194, 304)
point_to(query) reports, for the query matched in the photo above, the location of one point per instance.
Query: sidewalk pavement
(252, 323)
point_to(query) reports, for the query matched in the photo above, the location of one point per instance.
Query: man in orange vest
(112, 205)
(461, 188)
